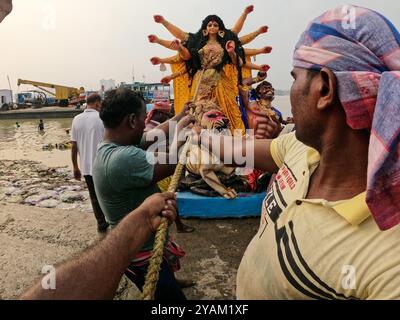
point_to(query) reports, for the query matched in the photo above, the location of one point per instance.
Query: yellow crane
(62, 93)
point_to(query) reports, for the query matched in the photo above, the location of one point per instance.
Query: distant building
(152, 92)
(5, 99)
(5, 96)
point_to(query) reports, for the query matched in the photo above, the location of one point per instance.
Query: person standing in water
(41, 125)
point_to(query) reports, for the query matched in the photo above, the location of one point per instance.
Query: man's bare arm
(162, 171)
(74, 158)
(229, 150)
(181, 121)
(96, 273)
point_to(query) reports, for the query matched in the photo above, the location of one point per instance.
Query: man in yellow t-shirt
(316, 249)
(329, 224)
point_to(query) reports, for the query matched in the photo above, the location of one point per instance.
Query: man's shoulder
(287, 148)
(91, 113)
(295, 146)
(107, 146)
(123, 165)
(78, 118)
(119, 151)
(88, 114)
(289, 140)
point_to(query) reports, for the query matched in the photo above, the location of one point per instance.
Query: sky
(79, 42)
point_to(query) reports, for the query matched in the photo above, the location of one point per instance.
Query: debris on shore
(32, 183)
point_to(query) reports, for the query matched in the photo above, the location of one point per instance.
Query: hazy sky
(79, 42)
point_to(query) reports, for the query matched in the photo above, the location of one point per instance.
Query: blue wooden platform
(194, 206)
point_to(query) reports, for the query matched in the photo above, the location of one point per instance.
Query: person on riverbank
(87, 133)
(125, 174)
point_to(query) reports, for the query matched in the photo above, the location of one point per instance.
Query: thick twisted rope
(153, 271)
(158, 250)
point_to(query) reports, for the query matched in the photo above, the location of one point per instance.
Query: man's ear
(132, 120)
(327, 88)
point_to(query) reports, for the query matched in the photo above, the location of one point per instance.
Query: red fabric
(253, 177)
(172, 253)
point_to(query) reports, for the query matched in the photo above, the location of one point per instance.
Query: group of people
(329, 223)
(40, 126)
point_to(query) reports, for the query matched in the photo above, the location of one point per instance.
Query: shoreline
(41, 113)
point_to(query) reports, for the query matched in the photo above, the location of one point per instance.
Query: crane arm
(42, 84)
(49, 92)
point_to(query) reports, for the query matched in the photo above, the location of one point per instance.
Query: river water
(26, 143)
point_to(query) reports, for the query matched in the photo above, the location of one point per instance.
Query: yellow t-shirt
(316, 249)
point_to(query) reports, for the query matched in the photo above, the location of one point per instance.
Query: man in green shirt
(125, 175)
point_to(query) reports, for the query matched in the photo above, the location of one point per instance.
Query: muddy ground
(32, 237)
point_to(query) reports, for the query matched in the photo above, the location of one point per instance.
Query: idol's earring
(221, 33)
(205, 33)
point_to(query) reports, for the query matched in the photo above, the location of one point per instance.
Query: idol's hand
(230, 46)
(175, 45)
(159, 19)
(262, 76)
(266, 50)
(155, 61)
(263, 29)
(166, 80)
(153, 38)
(249, 9)
(265, 67)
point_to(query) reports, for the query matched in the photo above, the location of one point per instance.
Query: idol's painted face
(267, 92)
(212, 27)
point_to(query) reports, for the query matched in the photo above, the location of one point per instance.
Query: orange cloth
(181, 88)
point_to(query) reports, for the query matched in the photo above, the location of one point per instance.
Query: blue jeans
(167, 287)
